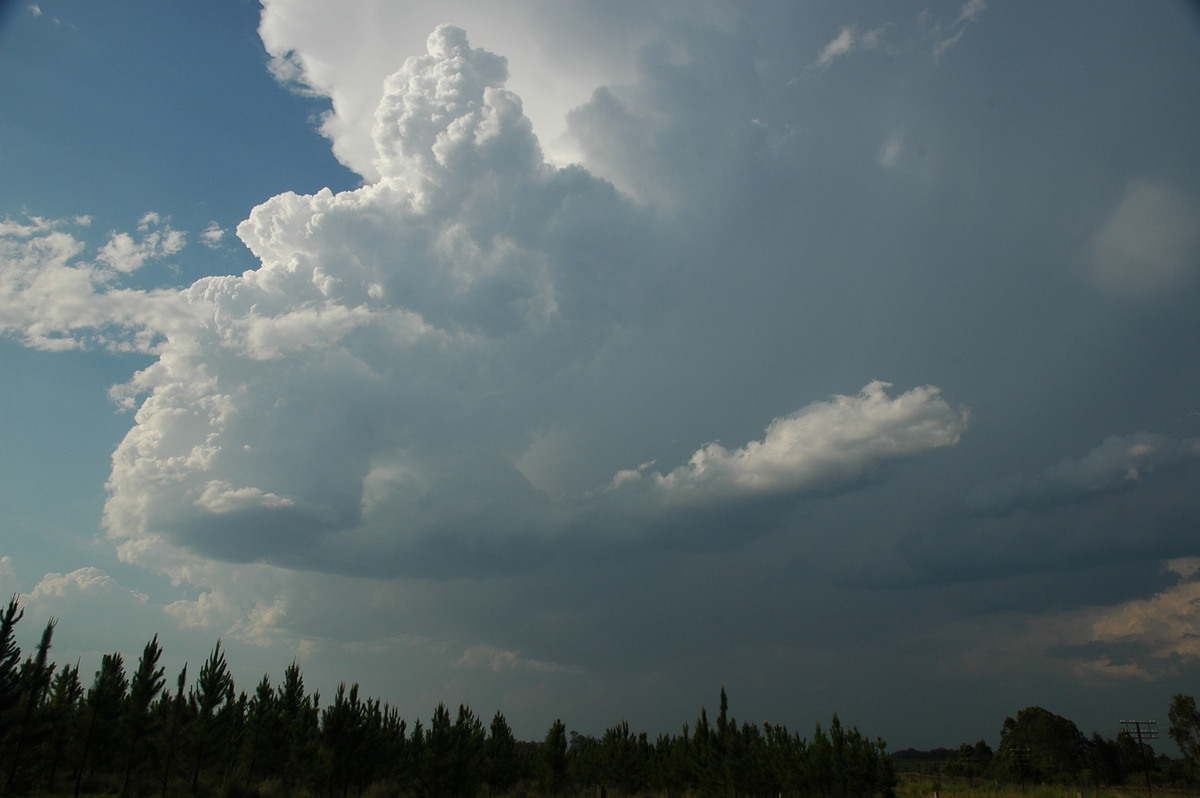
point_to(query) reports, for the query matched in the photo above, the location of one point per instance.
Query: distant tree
(342, 731)
(553, 758)
(1185, 729)
(1105, 761)
(501, 768)
(971, 760)
(437, 755)
(1040, 745)
(469, 738)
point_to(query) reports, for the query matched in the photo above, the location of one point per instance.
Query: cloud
(56, 300)
(359, 401)
(373, 316)
(96, 613)
(847, 41)
(948, 36)
(213, 235)
(557, 56)
(1163, 629)
(1119, 463)
(842, 44)
(971, 11)
(819, 446)
(1149, 244)
(483, 656)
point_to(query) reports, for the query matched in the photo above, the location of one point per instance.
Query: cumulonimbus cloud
(366, 389)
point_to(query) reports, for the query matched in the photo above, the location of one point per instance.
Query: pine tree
(145, 686)
(467, 758)
(34, 680)
(103, 709)
(176, 707)
(437, 752)
(553, 757)
(10, 655)
(501, 767)
(341, 736)
(264, 733)
(298, 714)
(214, 687)
(63, 709)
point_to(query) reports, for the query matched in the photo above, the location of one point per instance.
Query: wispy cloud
(847, 41)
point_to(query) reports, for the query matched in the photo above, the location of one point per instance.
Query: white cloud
(57, 300)
(213, 235)
(819, 446)
(841, 44)
(372, 311)
(96, 613)
(849, 40)
(556, 58)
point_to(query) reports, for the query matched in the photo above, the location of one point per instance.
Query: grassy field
(911, 786)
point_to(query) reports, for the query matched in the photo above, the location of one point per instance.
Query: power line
(1147, 733)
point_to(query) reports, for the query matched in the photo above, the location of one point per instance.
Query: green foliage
(1041, 746)
(1185, 729)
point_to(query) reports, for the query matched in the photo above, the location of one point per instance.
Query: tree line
(1038, 746)
(131, 733)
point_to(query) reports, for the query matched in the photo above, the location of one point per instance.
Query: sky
(578, 359)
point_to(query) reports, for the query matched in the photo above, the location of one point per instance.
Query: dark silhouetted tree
(62, 713)
(10, 657)
(144, 687)
(34, 681)
(501, 769)
(553, 758)
(1040, 745)
(214, 687)
(103, 711)
(175, 710)
(1185, 729)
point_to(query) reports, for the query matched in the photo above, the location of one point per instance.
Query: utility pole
(1147, 733)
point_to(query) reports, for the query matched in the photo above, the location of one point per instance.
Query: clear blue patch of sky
(116, 109)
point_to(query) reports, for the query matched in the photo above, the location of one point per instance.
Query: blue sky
(580, 359)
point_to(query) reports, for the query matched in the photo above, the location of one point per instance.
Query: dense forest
(132, 733)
